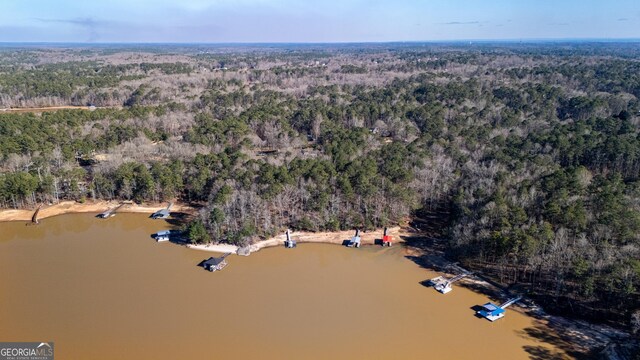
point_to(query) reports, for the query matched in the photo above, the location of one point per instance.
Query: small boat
(162, 238)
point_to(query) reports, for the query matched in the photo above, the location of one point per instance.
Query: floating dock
(164, 235)
(444, 286)
(436, 280)
(215, 263)
(493, 312)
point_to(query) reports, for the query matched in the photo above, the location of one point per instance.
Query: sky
(254, 21)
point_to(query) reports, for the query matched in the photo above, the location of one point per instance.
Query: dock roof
(213, 261)
(493, 308)
(162, 212)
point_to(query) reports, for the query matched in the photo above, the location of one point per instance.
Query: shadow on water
(432, 258)
(542, 353)
(177, 219)
(421, 241)
(570, 339)
(176, 222)
(430, 262)
(557, 338)
(475, 309)
(484, 288)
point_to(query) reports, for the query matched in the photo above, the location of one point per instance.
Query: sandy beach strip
(337, 237)
(67, 207)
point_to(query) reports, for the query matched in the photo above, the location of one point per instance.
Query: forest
(521, 161)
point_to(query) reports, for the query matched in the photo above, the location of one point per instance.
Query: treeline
(77, 133)
(74, 82)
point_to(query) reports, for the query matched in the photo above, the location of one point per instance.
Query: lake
(103, 289)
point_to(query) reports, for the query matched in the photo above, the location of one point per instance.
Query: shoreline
(301, 237)
(73, 207)
(573, 335)
(578, 335)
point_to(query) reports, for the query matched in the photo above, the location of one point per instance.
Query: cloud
(461, 23)
(623, 19)
(90, 24)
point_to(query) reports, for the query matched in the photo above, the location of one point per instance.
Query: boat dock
(493, 312)
(387, 240)
(111, 212)
(436, 281)
(163, 213)
(355, 241)
(289, 243)
(215, 263)
(34, 218)
(445, 287)
(168, 235)
(164, 235)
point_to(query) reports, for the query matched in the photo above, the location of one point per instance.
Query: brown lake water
(103, 289)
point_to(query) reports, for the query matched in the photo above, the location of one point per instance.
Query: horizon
(332, 21)
(408, 42)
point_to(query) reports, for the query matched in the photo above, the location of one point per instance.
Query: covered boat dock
(215, 263)
(493, 312)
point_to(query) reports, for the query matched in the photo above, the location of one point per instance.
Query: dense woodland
(528, 154)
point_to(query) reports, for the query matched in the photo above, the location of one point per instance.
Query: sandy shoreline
(67, 207)
(337, 237)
